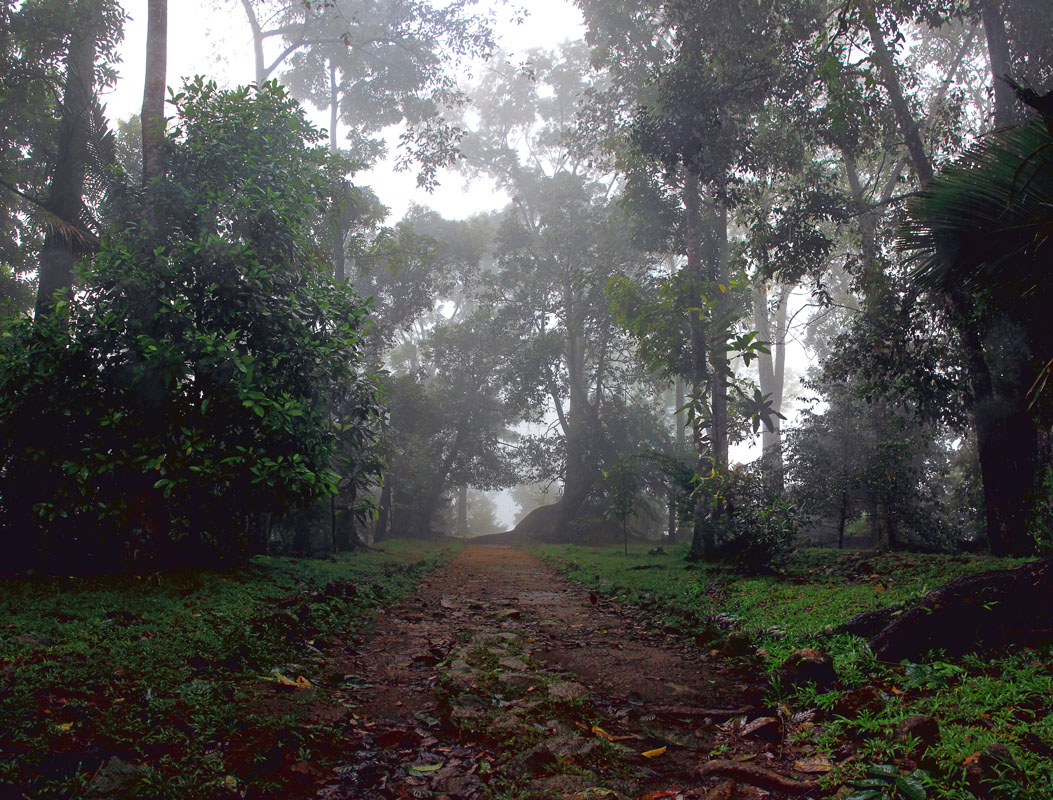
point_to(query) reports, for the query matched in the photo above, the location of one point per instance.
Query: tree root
(757, 776)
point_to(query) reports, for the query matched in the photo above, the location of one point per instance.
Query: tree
(980, 229)
(373, 65)
(562, 238)
(153, 113)
(190, 392)
(623, 492)
(56, 55)
(697, 77)
(448, 429)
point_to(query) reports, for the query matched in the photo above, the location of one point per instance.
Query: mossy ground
(162, 671)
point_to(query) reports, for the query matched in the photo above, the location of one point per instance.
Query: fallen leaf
(65, 726)
(425, 769)
(281, 679)
(813, 765)
(658, 751)
(610, 737)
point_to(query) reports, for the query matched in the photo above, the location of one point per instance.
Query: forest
(757, 304)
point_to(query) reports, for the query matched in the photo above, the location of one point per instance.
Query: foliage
(39, 41)
(622, 491)
(752, 526)
(448, 424)
(982, 228)
(163, 669)
(881, 458)
(189, 392)
(375, 65)
(885, 782)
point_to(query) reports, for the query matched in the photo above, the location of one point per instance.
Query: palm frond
(985, 224)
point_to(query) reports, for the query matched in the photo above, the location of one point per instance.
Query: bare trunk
(153, 113)
(579, 475)
(680, 415)
(64, 237)
(334, 109)
(703, 542)
(890, 79)
(842, 518)
(257, 41)
(383, 512)
(772, 371)
(462, 510)
(717, 230)
(1005, 110)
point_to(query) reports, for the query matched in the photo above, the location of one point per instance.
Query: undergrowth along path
(499, 678)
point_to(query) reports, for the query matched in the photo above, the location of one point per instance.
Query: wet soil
(499, 678)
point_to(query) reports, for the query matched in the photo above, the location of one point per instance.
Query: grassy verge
(159, 672)
(987, 708)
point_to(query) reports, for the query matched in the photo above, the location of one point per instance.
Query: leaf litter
(571, 696)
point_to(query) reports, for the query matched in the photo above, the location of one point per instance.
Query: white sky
(212, 38)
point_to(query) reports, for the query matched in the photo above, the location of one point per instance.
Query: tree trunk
(63, 240)
(462, 510)
(717, 256)
(579, 475)
(257, 41)
(153, 112)
(842, 518)
(703, 542)
(998, 364)
(1005, 102)
(680, 416)
(890, 79)
(383, 512)
(1007, 443)
(772, 373)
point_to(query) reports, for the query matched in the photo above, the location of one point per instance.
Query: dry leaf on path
(813, 765)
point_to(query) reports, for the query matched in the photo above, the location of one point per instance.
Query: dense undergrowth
(982, 703)
(160, 672)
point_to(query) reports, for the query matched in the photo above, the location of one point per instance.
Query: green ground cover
(159, 671)
(1003, 700)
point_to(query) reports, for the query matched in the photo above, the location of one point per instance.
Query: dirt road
(499, 678)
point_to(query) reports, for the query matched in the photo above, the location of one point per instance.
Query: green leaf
(424, 769)
(911, 787)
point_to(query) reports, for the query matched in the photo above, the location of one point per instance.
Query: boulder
(808, 666)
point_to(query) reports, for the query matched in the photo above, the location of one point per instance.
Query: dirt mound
(540, 526)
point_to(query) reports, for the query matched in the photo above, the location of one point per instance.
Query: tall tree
(373, 65)
(94, 27)
(153, 112)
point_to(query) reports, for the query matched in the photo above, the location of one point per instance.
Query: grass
(978, 701)
(159, 671)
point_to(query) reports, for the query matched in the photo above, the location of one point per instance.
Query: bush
(753, 526)
(189, 390)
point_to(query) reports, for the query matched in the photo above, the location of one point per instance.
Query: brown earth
(499, 678)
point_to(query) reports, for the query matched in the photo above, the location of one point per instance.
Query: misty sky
(212, 38)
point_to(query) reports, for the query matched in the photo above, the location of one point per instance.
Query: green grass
(158, 670)
(978, 702)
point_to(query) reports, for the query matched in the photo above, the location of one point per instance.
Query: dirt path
(498, 678)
